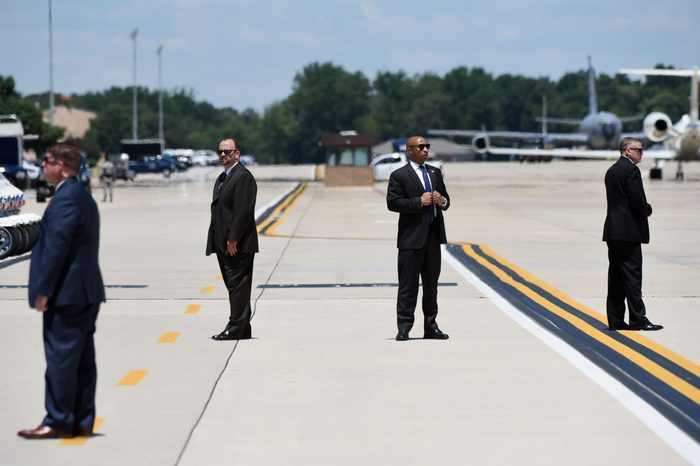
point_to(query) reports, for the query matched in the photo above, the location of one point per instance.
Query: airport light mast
(52, 108)
(134, 113)
(161, 136)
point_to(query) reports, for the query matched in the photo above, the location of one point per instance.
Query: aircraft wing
(661, 154)
(575, 138)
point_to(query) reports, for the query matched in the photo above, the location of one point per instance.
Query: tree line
(327, 98)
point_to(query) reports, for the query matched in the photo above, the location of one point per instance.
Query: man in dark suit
(626, 228)
(65, 284)
(417, 192)
(233, 236)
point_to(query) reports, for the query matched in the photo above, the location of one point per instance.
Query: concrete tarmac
(323, 381)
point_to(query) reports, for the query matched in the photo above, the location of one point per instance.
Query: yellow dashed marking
(133, 377)
(169, 337)
(207, 289)
(219, 277)
(193, 308)
(81, 440)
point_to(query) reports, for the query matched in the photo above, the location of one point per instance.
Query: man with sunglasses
(626, 228)
(417, 192)
(233, 236)
(65, 285)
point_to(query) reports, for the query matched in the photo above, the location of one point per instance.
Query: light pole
(160, 99)
(52, 108)
(134, 113)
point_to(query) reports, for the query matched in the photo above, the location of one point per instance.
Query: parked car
(45, 189)
(121, 165)
(33, 172)
(205, 157)
(177, 162)
(384, 165)
(151, 164)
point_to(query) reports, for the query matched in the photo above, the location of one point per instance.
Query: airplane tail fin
(691, 73)
(592, 97)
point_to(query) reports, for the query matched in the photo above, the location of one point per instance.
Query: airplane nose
(608, 131)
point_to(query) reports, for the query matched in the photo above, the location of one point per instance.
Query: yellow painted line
(653, 368)
(207, 289)
(293, 196)
(271, 231)
(219, 277)
(81, 440)
(687, 364)
(169, 337)
(133, 377)
(193, 308)
(273, 216)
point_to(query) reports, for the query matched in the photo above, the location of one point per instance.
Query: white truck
(18, 232)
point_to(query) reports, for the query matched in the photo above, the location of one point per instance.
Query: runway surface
(529, 375)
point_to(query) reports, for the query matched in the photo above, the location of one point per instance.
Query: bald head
(417, 148)
(228, 152)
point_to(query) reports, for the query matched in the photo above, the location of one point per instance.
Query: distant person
(107, 178)
(626, 228)
(417, 192)
(233, 236)
(65, 285)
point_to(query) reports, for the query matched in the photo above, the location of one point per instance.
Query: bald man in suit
(626, 228)
(417, 192)
(233, 237)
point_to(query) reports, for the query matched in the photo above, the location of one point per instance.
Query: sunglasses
(638, 149)
(48, 161)
(421, 146)
(226, 151)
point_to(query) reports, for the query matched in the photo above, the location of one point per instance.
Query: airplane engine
(656, 126)
(480, 143)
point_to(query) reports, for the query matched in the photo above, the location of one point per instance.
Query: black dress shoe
(648, 327)
(83, 432)
(402, 335)
(228, 334)
(43, 432)
(435, 335)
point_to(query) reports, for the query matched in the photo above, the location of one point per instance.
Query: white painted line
(678, 440)
(276, 200)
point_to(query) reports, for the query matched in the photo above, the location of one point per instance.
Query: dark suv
(45, 189)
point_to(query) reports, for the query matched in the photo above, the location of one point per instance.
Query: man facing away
(417, 192)
(233, 236)
(626, 228)
(65, 285)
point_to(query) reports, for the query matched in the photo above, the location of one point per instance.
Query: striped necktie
(428, 189)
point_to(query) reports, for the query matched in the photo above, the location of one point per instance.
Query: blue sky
(245, 53)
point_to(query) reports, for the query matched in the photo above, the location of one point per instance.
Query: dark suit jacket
(403, 196)
(628, 208)
(233, 213)
(64, 263)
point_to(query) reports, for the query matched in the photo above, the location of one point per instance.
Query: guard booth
(347, 158)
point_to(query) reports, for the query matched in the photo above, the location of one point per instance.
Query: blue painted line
(676, 407)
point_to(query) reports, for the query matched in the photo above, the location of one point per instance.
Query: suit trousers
(237, 271)
(625, 282)
(426, 263)
(71, 370)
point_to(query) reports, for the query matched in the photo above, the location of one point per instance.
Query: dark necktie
(220, 181)
(428, 189)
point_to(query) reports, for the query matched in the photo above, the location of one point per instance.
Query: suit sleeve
(442, 189)
(635, 189)
(245, 191)
(397, 200)
(60, 225)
